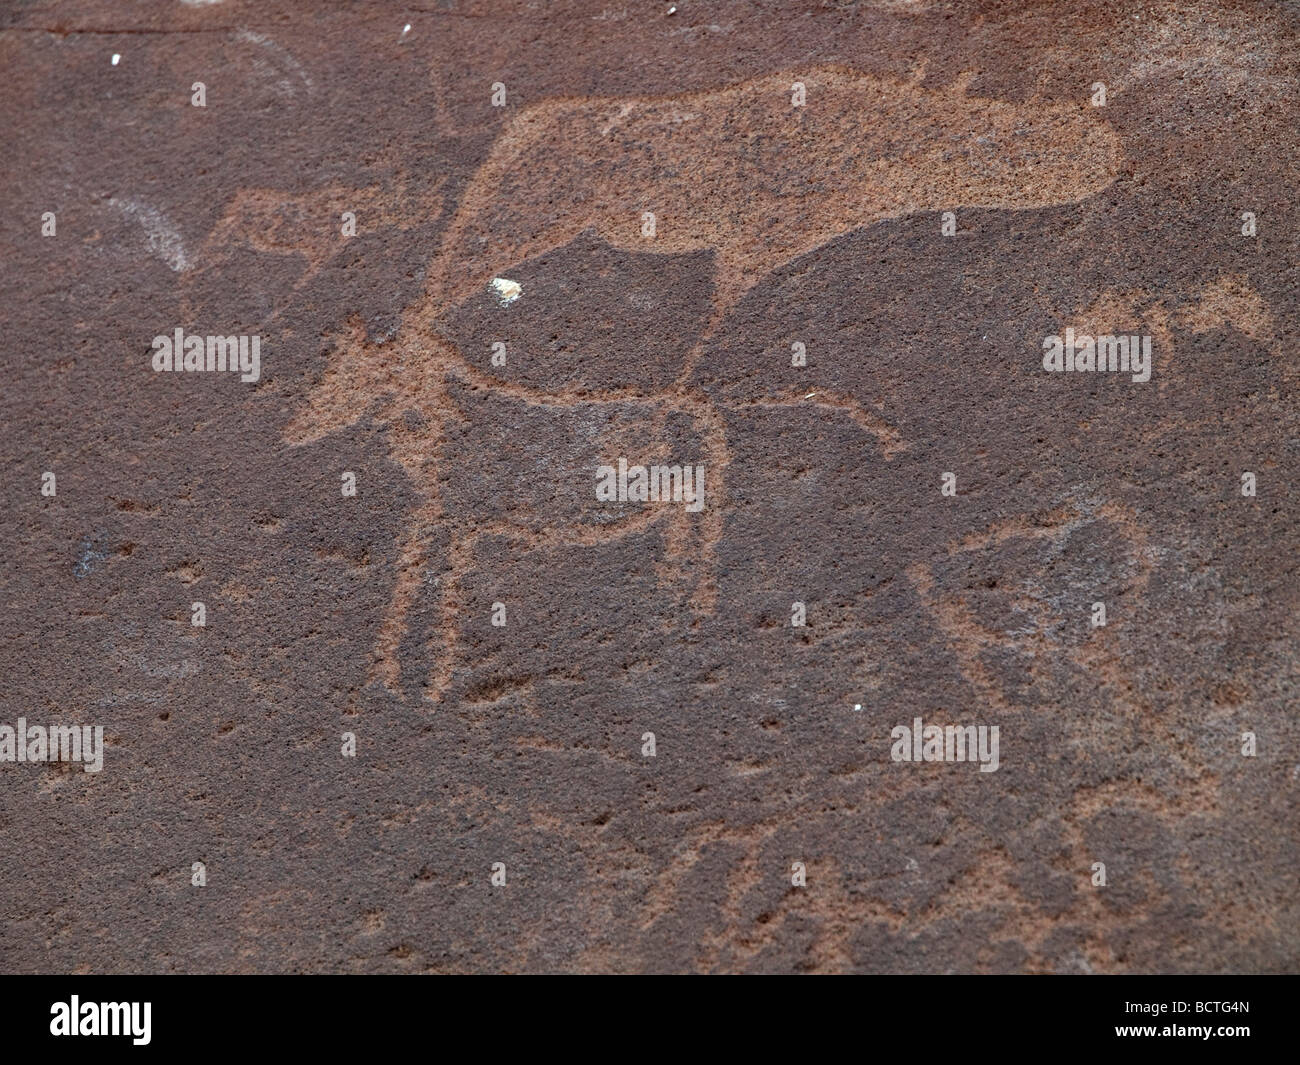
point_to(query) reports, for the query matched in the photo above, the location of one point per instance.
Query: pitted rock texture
(820, 225)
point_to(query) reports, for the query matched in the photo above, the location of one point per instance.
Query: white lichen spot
(507, 291)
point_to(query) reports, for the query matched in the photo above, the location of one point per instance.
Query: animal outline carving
(737, 170)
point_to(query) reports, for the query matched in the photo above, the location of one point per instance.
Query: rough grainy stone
(521, 744)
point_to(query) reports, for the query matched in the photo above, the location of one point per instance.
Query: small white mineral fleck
(507, 291)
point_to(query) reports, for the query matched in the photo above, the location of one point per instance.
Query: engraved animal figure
(742, 172)
(738, 171)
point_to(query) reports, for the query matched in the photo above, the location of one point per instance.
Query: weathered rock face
(843, 296)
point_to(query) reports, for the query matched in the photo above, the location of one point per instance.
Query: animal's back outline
(507, 177)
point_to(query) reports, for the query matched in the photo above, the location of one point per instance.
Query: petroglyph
(306, 227)
(1043, 635)
(1229, 301)
(860, 151)
(737, 171)
(1232, 301)
(389, 386)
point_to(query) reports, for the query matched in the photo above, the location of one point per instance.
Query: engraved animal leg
(412, 561)
(703, 528)
(460, 556)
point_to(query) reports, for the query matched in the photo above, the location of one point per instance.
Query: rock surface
(775, 224)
